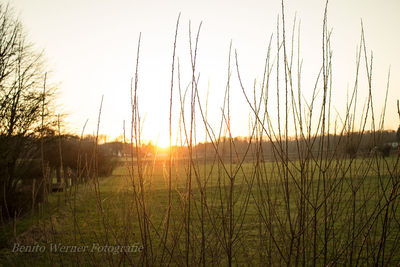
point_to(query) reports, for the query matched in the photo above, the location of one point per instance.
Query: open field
(330, 217)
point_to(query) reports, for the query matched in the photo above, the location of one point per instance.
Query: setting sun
(162, 141)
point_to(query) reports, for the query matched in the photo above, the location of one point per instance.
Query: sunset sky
(91, 47)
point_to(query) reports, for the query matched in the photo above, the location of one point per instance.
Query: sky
(91, 45)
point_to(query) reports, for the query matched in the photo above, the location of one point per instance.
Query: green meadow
(344, 214)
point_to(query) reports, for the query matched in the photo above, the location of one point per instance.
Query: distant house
(394, 144)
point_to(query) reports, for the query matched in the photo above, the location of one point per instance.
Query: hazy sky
(91, 49)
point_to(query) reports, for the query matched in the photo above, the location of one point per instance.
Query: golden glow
(162, 141)
(111, 29)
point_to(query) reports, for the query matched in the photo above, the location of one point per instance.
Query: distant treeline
(353, 144)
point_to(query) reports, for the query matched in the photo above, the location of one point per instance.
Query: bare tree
(24, 105)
